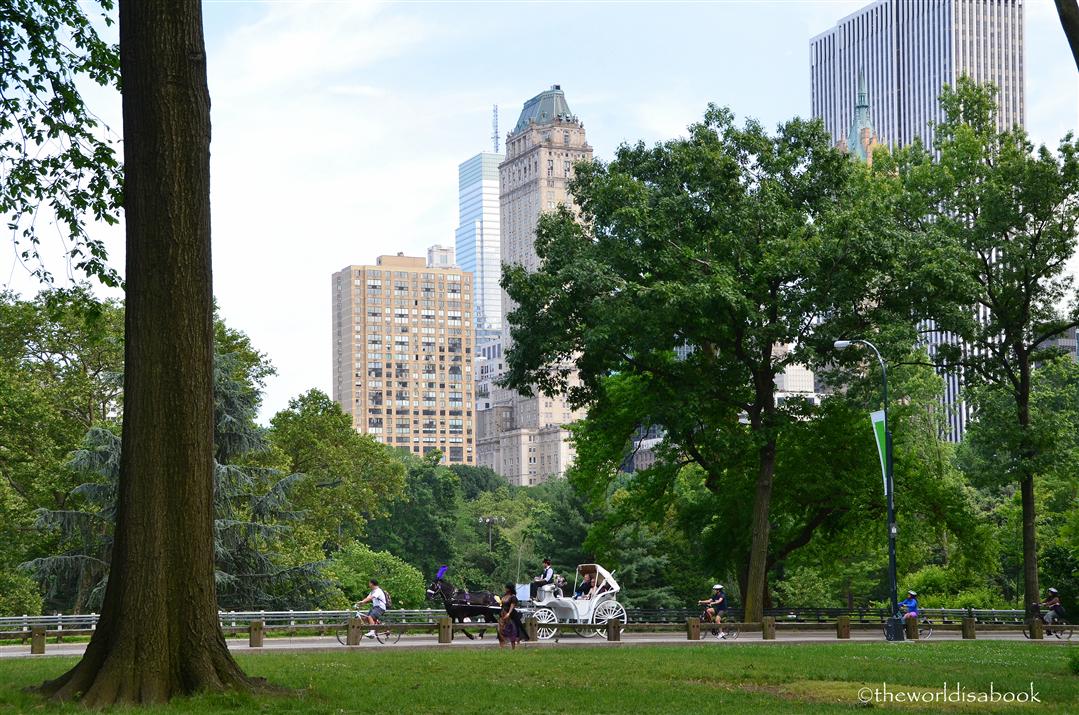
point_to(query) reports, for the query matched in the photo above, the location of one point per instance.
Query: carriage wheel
(607, 611)
(586, 631)
(545, 616)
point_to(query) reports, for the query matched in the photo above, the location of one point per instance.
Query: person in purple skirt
(510, 628)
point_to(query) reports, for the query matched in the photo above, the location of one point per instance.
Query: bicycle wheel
(1062, 630)
(342, 634)
(925, 629)
(389, 635)
(729, 632)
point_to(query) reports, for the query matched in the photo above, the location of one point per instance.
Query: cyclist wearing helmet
(1054, 609)
(910, 605)
(716, 604)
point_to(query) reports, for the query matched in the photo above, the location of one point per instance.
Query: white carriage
(592, 609)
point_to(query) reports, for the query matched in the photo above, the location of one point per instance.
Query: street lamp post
(490, 521)
(894, 627)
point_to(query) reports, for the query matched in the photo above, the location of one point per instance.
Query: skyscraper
(524, 438)
(479, 240)
(403, 349)
(908, 50)
(901, 53)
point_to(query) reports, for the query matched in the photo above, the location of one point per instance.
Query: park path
(314, 644)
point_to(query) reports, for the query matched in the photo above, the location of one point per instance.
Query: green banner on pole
(882, 444)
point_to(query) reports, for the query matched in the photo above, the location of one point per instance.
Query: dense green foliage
(773, 678)
(55, 157)
(705, 267)
(355, 565)
(1002, 219)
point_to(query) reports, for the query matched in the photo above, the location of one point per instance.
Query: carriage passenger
(584, 589)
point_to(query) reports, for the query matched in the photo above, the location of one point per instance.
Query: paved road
(329, 643)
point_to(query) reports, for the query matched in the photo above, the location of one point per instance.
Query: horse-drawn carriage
(592, 609)
(588, 613)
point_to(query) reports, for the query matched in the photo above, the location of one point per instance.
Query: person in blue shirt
(910, 605)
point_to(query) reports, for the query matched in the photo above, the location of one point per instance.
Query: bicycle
(387, 635)
(719, 630)
(1059, 628)
(925, 626)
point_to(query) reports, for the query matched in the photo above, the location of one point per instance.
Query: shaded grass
(823, 678)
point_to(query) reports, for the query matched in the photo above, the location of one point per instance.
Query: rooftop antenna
(494, 127)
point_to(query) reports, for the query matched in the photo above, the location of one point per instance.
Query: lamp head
(842, 344)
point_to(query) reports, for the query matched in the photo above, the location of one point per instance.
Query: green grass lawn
(822, 678)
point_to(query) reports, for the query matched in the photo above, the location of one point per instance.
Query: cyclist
(377, 599)
(1054, 609)
(910, 605)
(715, 607)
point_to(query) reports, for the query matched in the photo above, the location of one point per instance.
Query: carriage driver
(542, 580)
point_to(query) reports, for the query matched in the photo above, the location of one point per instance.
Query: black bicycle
(722, 631)
(1059, 628)
(382, 635)
(925, 626)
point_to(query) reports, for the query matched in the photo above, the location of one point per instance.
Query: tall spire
(861, 139)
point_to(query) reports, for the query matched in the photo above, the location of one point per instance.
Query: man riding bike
(377, 599)
(715, 607)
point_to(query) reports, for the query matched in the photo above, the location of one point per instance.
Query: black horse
(462, 604)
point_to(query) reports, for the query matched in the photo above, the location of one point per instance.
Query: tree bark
(754, 593)
(159, 635)
(1068, 11)
(1031, 592)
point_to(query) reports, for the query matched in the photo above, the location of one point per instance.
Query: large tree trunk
(1068, 11)
(158, 635)
(1026, 485)
(754, 593)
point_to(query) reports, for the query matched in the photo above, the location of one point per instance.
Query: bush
(352, 567)
(970, 598)
(19, 595)
(931, 581)
(805, 588)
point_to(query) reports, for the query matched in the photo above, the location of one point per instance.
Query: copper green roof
(861, 121)
(544, 108)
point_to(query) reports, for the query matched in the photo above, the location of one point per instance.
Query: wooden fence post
(531, 628)
(355, 625)
(768, 628)
(842, 628)
(911, 624)
(254, 634)
(1037, 629)
(969, 632)
(614, 629)
(445, 630)
(37, 640)
(693, 629)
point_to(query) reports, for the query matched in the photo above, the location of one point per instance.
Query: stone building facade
(403, 355)
(525, 439)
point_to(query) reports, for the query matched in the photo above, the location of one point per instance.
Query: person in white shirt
(545, 578)
(377, 599)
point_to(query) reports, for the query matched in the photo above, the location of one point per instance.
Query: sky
(338, 125)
